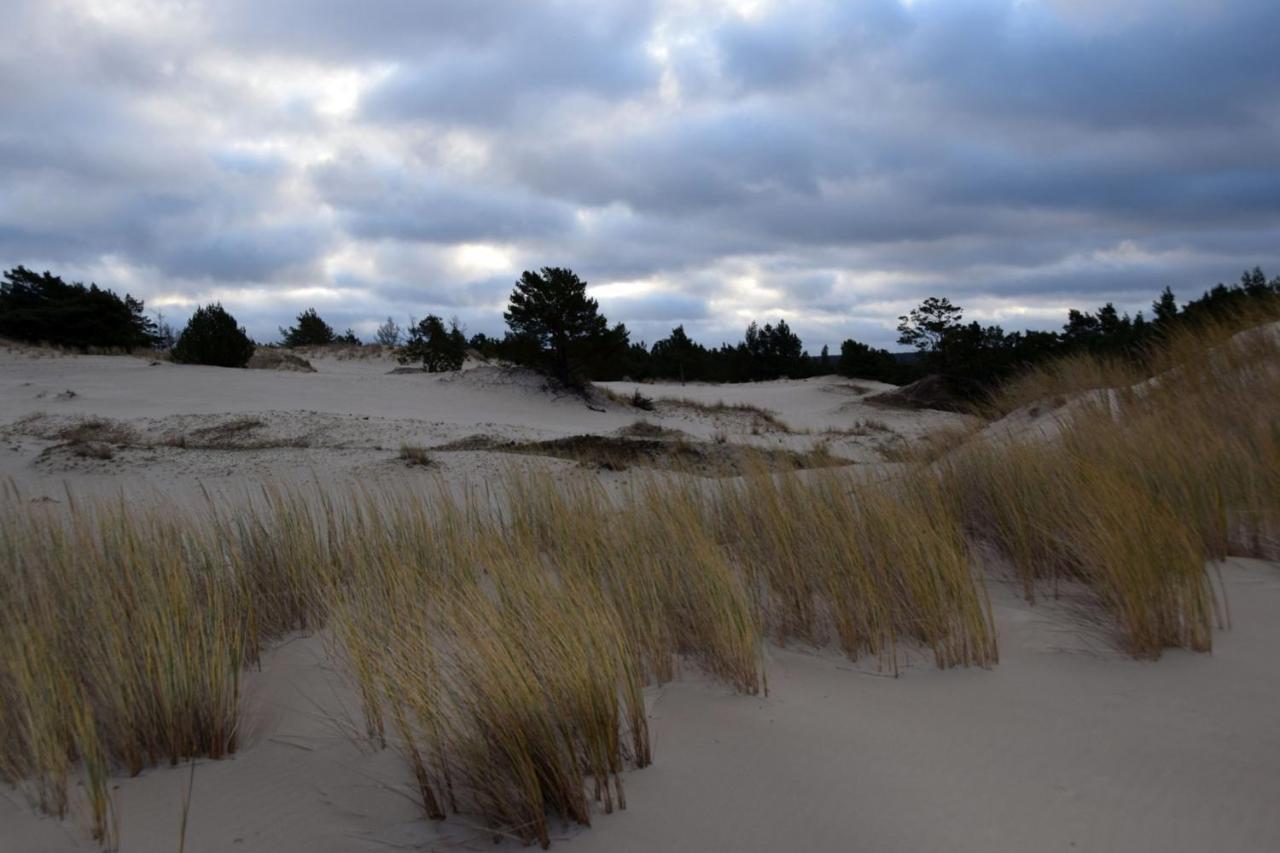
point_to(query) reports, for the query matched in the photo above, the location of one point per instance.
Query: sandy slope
(1060, 747)
(353, 416)
(1065, 745)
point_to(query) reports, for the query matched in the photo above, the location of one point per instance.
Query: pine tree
(560, 328)
(45, 309)
(1165, 308)
(438, 348)
(310, 331)
(212, 337)
(927, 324)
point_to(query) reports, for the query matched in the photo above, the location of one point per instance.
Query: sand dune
(350, 417)
(1066, 744)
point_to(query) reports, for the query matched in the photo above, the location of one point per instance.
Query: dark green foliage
(926, 326)
(859, 361)
(972, 360)
(1165, 309)
(212, 337)
(557, 328)
(641, 402)
(438, 348)
(347, 337)
(1105, 333)
(773, 352)
(765, 352)
(310, 331)
(46, 309)
(518, 349)
(485, 345)
(1222, 300)
(678, 357)
(969, 359)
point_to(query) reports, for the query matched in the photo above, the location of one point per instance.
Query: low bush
(212, 337)
(414, 455)
(437, 347)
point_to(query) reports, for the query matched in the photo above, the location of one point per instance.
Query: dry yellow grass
(1136, 487)
(881, 564)
(122, 644)
(501, 638)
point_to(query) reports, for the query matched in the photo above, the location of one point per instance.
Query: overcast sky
(703, 163)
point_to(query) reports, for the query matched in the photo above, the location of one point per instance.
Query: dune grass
(876, 564)
(1134, 488)
(644, 445)
(501, 638)
(416, 455)
(122, 644)
(760, 418)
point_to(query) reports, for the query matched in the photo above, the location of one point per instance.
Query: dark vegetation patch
(92, 450)
(648, 429)
(77, 450)
(212, 337)
(931, 392)
(99, 430)
(642, 402)
(235, 434)
(240, 433)
(867, 426)
(852, 387)
(415, 456)
(617, 453)
(44, 309)
(265, 358)
(761, 419)
(87, 438)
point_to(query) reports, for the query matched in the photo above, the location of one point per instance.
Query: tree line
(553, 326)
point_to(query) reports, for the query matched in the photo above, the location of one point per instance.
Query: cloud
(698, 163)
(581, 49)
(398, 203)
(243, 254)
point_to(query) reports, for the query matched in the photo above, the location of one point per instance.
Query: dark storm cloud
(241, 254)
(832, 161)
(584, 50)
(1171, 65)
(682, 165)
(381, 203)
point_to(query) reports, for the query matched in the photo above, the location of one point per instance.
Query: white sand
(1065, 745)
(1062, 746)
(354, 416)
